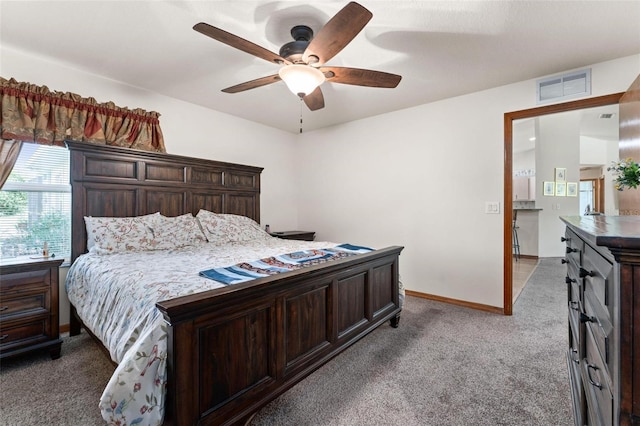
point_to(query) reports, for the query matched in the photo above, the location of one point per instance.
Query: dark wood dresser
(603, 283)
(29, 306)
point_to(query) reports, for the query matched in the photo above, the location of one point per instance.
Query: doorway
(591, 193)
(508, 176)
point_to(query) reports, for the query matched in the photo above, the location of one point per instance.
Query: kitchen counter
(525, 205)
(527, 221)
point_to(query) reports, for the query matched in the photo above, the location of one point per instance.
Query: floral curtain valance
(33, 113)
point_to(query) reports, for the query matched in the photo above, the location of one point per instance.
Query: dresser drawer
(575, 385)
(598, 322)
(598, 274)
(575, 330)
(574, 283)
(574, 249)
(574, 346)
(597, 384)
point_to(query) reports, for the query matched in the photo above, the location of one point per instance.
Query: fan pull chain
(301, 114)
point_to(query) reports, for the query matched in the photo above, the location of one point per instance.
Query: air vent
(609, 115)
(564, 87)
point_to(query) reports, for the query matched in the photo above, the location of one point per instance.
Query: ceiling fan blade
(337, 33)
(239, 43)
(258, 82)
(314, 100)
(361, 77)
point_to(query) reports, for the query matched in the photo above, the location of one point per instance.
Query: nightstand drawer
(295, 235)
(29, 306)
(23, 333)
(24, 304)
(20, 281)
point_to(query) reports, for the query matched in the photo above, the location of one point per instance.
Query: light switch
(492, 207)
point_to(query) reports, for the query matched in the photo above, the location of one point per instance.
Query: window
(35, 203)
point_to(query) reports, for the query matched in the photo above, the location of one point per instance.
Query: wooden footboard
(232, 350)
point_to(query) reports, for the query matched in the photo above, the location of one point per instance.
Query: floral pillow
(179, 231)
(107, 235)
(225, 228)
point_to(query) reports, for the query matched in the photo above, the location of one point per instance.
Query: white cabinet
(524, 188)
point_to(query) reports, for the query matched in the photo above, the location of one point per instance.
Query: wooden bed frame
(233, 350)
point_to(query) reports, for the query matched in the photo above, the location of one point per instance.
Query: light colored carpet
(38, 391)
(447, 365)
(444, 365)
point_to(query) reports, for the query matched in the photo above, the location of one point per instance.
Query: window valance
(35, 114)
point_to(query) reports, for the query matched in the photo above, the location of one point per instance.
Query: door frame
(509, 117)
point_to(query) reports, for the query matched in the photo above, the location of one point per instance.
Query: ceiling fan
(303, 59)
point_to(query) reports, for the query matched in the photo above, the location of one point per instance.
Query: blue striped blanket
(247, 271)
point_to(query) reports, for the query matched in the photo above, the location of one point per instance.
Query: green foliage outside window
(49, 228)
(12, 202)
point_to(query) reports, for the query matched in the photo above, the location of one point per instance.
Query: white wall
(420, 178)
(558, 145)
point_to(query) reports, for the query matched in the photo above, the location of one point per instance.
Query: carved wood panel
(351, 302)
(307, 328)
(98, 167)
(208, 177)
(242, 204)
(381, 294)
(165, 173)
(167, 202)
(235, 356)
(109, 201)
(203, 200)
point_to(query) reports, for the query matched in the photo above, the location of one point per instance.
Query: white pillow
(179, 231)
(107, 235)
(225, 228)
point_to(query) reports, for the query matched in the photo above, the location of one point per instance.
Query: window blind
(35, 203)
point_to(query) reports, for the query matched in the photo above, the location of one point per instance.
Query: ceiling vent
(564, 87)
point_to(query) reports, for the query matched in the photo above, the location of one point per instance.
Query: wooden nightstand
(295, 235)
(29, 306)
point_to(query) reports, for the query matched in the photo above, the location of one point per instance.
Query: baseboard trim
(476, 306)
(528, 256)
(64, 328)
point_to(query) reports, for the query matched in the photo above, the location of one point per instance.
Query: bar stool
(514, 236)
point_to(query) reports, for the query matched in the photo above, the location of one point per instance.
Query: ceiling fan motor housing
(293, 50)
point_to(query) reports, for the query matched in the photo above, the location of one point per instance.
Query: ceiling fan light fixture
(301, 79)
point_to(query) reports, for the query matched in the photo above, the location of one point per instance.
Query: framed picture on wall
(561, 174)
(549, 189)
(561, 189)
(572, 189)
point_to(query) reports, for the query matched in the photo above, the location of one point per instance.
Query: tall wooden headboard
(122, 182)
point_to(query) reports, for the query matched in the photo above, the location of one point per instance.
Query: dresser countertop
(621, 232)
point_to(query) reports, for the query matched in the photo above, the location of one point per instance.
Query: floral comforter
(115, 295)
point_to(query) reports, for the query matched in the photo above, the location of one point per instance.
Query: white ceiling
(441, 48)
